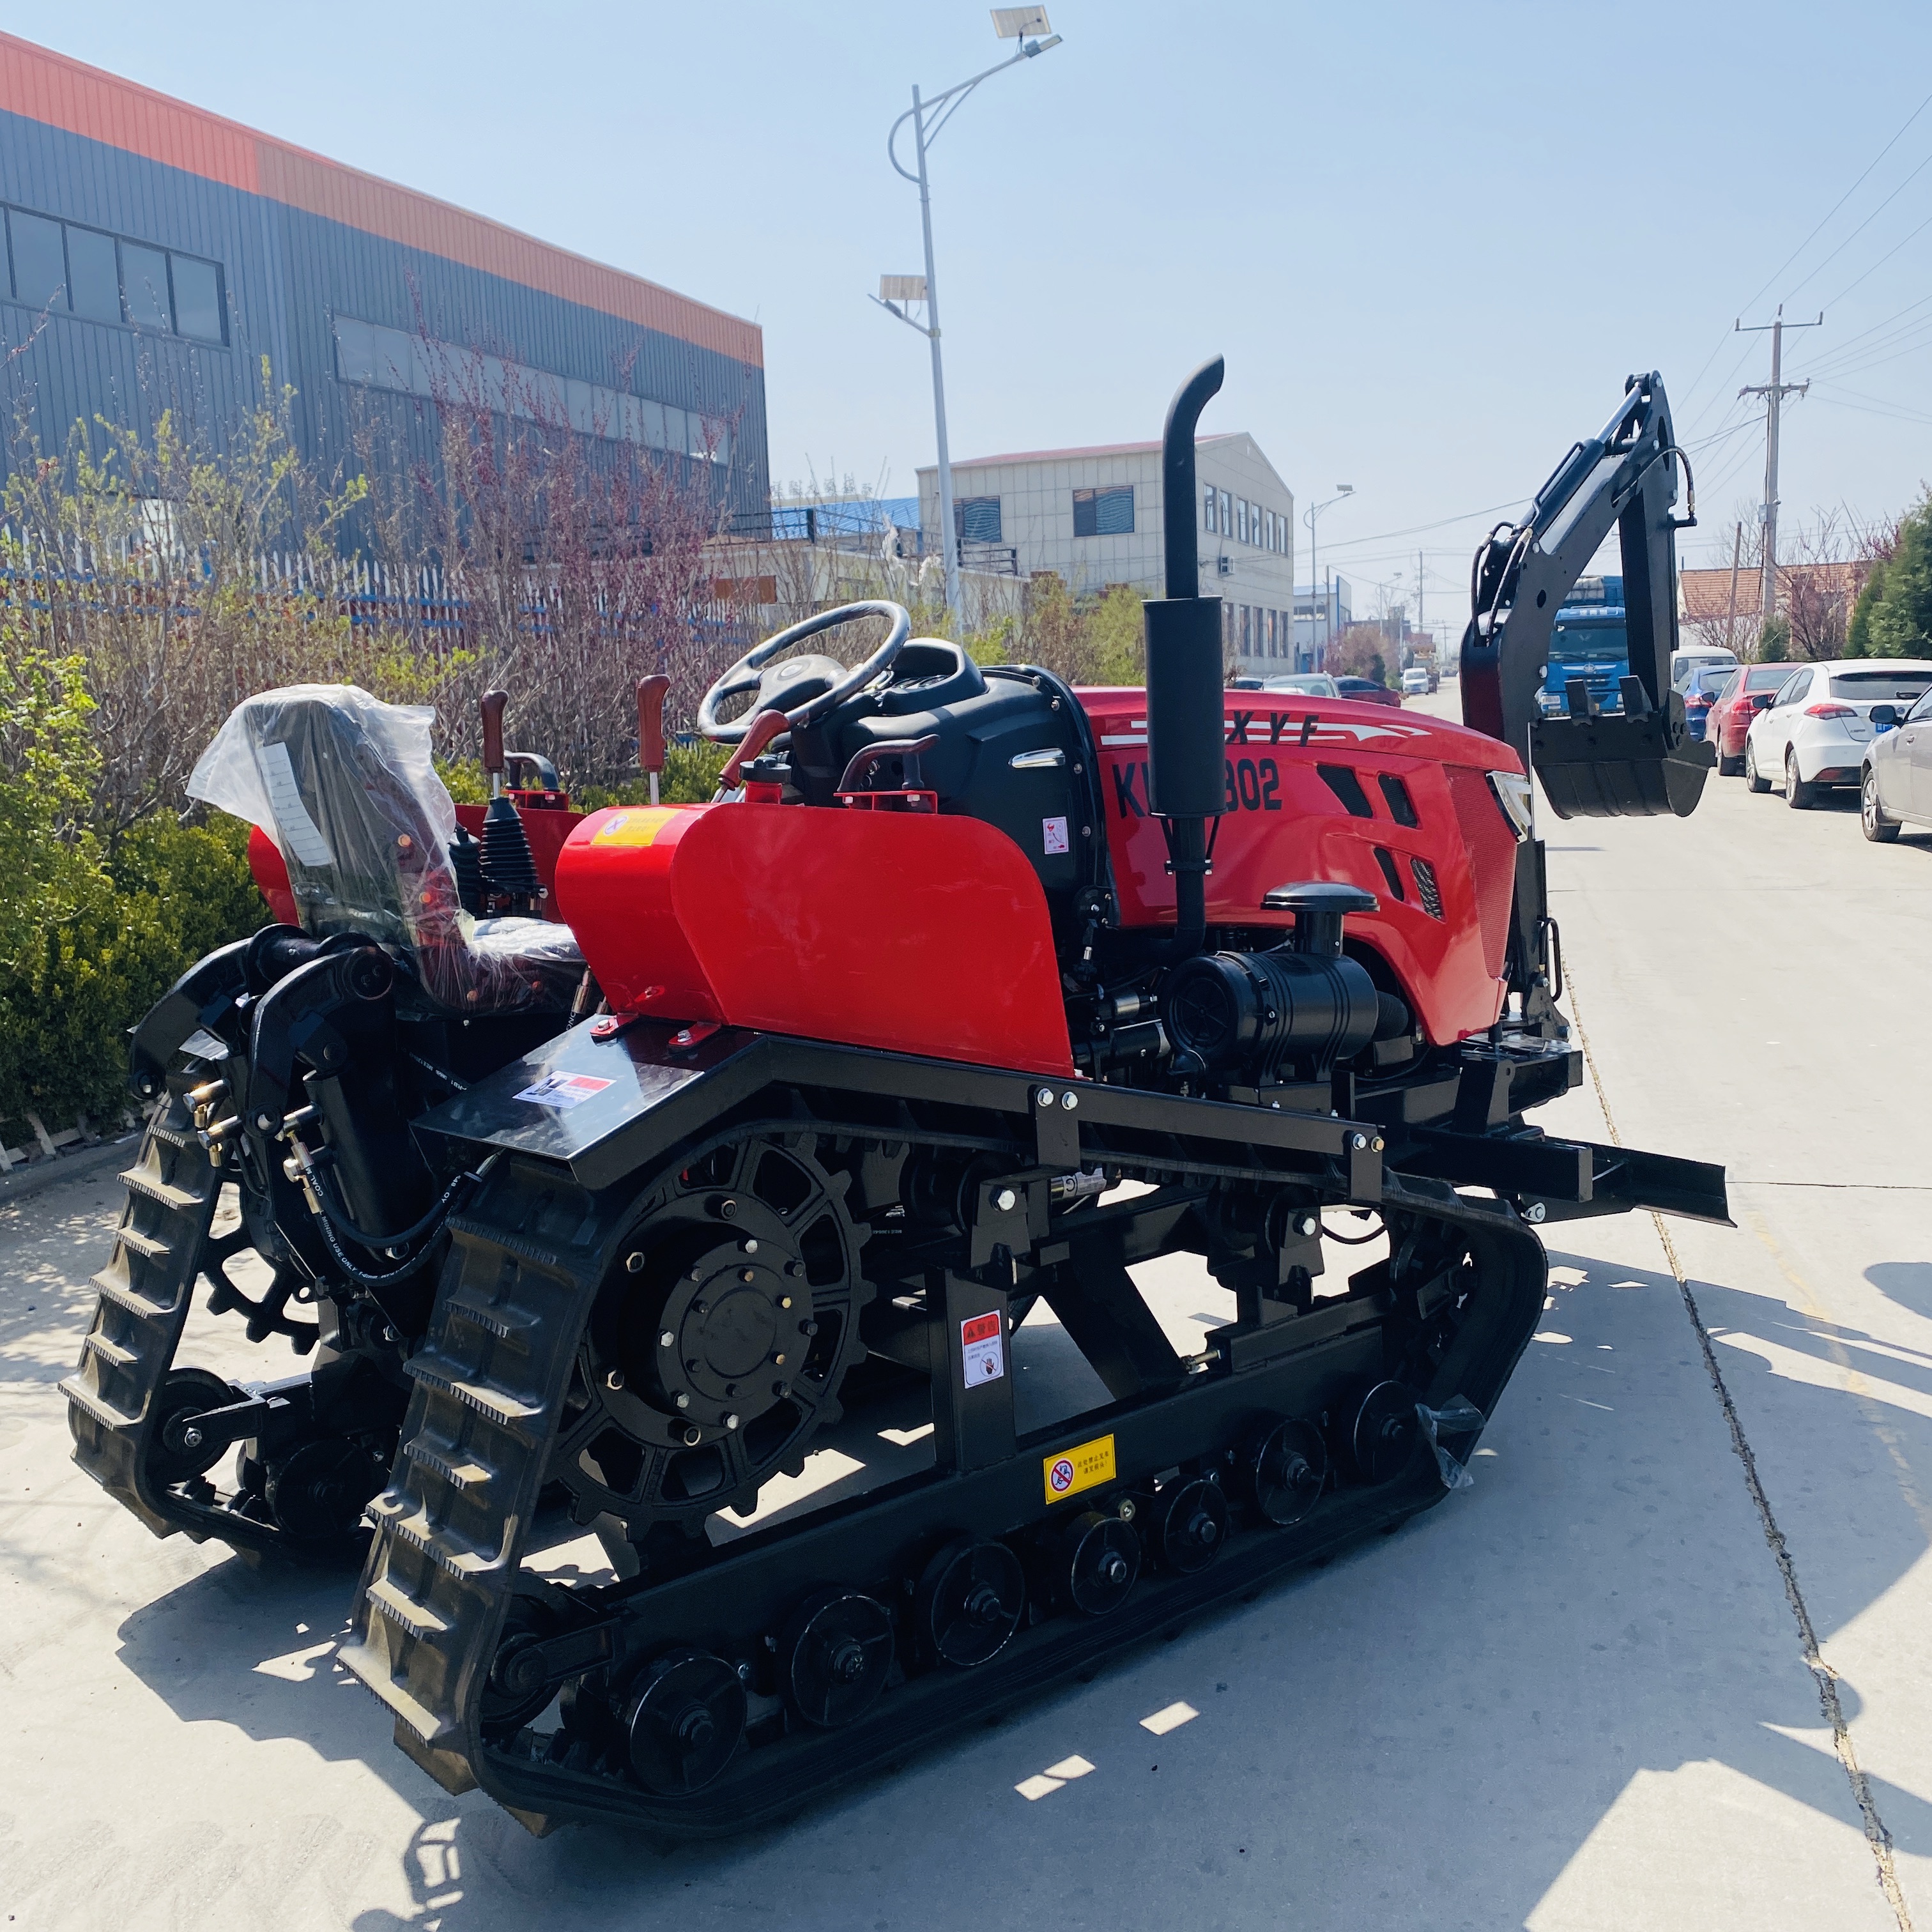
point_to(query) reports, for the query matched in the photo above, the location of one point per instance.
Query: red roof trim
(66, 93)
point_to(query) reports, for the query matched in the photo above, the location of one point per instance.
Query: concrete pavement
(1577, 1695)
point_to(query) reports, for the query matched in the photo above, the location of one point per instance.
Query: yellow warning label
(1084, 1466)
(638, 826)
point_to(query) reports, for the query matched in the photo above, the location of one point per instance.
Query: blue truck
(1589, 641)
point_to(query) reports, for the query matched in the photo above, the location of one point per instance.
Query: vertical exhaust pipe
(1186, 727)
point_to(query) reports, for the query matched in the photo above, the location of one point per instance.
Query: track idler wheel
(1385, 1431)
(838, 1652)
(1283, 1467)
(316, 1496)
(1099, 1560)
(970, 1601)
(684, 1718)
(186, 1392)
(1190, 1524)
(518, 1686)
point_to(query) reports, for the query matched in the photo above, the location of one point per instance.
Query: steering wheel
(787, 687)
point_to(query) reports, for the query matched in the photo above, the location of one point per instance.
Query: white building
(1094, 516)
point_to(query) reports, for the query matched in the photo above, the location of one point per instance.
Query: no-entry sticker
(982, 1338)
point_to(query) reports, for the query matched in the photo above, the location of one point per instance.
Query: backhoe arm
(1640, 762)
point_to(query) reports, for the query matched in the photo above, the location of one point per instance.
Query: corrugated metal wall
(290, 265)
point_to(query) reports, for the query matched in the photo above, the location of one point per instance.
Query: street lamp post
(899, 293)
(1308, 517)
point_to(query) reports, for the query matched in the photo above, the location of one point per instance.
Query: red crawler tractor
(968, 994)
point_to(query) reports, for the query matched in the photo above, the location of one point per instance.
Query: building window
(1267, 530)
(56, 265)
(1104, 513)
(976, 520)
(368, 354)
(1241, 519)
(1227, 515)
(1209, 521)
(1270, 634)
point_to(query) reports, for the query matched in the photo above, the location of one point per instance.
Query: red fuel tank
(905, 932)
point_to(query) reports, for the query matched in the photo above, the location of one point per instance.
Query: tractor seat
(344, 785)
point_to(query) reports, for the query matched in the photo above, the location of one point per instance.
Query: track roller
(684, 1718)
(838, 1653)
(1190, 1525)
(969, 1601)
(1098, 1560)
(518, 1687)
(1385, 1433)
(1283, 1467)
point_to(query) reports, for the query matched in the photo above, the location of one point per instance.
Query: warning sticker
(1084, 1466)
(637, 827)
(983, 1340)
(563, 1090)
(1053, 835)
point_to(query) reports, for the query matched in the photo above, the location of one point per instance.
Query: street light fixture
(898, 294)
(1308, 517)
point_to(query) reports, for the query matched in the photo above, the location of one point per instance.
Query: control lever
(766, 726)
(492, 709)
(651, 692)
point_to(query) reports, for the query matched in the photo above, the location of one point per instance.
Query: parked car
(1302, 684)
(1748, 691)
(1895, 785)
(1365, 690)
(1815, 730)
(1415, 682)
(1697, 657)
(1701, 692)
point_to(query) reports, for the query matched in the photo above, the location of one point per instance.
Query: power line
(1442, 522)
(1866, 223)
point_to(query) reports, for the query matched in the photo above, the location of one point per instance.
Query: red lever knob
(651, 692)
(492, 709)
(766, 726)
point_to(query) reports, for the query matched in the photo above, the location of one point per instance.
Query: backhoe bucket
(1619, 767)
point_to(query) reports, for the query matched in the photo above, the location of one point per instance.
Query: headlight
(1511, 791)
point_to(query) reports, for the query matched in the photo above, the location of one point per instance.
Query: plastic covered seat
(345, 786)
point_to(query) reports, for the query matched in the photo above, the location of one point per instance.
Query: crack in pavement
(1823, 1675)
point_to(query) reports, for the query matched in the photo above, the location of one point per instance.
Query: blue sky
(1431, 240)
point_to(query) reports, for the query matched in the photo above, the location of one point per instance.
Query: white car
(1696, 658)
(1813, 734)
(1415, 683)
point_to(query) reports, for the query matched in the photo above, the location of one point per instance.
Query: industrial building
(157, 255)
(1093, 518)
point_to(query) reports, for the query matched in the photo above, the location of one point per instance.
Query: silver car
(1896, 786)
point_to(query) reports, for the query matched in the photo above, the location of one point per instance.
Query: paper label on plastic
(637, 827)
(1053, 835)
(982, 1340)
(292, 820)
(563, 1090)
(1084, 1466)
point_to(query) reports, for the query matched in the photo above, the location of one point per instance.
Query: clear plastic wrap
(1459, 1418)
(345, 786)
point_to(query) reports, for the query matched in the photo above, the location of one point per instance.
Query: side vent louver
(1426, 887)
(1386, 860)
(1395, 795)
(1342, 781)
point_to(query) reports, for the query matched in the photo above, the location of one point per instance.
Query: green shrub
(90, 939)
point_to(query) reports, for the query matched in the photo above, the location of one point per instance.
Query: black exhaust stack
(1187, 726)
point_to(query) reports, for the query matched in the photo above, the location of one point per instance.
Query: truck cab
(1589, 640)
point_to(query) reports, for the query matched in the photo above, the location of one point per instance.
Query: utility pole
(1731, 621)
(1774, 392)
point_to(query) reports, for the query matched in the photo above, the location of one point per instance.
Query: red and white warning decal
(1053, 835)
(563, 1090)
(982, 1339)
